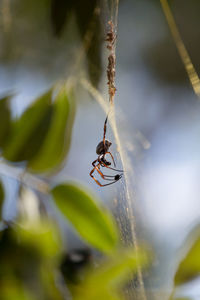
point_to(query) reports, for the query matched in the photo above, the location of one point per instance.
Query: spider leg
(101, 162)
(94, 162)
(104, 176)
(111, 157)
(99, 182)
(97, 167)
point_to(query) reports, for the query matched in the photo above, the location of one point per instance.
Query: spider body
(103, 161)
(102, 150)
(102, 147)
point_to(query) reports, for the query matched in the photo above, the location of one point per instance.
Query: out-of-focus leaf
(88, 20)
(111, 275)
(1, 198)
(60, 10)
(50, 284)
(5, 119)
(45, 232)
(116, 270)
(29, 130)
(13, 289)
(98, 295)
(189, 268)
(181, 298)
(27, 254)
(56, 144)
(92, 222)
(19, 264)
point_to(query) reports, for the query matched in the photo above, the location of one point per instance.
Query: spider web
(125, 204)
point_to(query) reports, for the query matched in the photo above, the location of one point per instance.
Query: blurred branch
(23, 177)
(189, 67)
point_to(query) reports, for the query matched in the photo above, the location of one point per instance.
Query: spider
(102, 149)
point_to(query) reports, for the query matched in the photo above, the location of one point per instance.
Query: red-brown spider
(102, 149)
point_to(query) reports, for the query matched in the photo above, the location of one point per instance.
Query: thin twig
(24, 177)
(190, 69)
(111, 39)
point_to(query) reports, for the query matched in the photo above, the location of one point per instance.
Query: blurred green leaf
(50, 285)
(1, 198)
(29, 255)
(56, 144)
(13, 289)
(111, 275)
(43, 231)
(93, 223)
(182, 298)
(116, 270)
(189, 267)
(29, 130)
(19, 266)
(98, 294)
(5, 117)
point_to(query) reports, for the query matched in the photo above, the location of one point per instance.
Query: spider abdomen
(101, 148)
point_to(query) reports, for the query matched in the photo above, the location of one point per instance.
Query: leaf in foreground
(28, 131)
(189, 268)
(111, 275)
(57, 141)
(92, 222)
(182, 298)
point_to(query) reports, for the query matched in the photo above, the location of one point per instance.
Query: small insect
(102, 149)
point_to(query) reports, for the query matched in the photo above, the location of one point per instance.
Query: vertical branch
(111, 39)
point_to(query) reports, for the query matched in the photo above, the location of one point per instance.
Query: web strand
(111, 39)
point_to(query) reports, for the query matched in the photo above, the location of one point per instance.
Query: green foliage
(189, 268)
(92, 222)
(42, 135)
(13, 289)
(28, 131)
(106, 281)
(30, 257)
(44, 231)
(5, 117)
(31, 253)
(182, 298)
(57, 141)
(25, 253)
